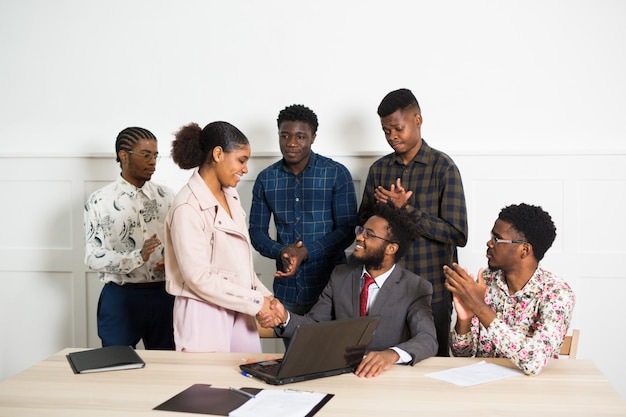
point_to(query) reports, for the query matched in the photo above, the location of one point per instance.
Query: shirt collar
(532, 288)
(421, 157)
(380, 280)
(309, 164)
(132, 190)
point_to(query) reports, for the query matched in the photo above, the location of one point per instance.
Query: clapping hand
(159, 265)
(292, 256)
(466, 289)
(149, 246)
(396, 194)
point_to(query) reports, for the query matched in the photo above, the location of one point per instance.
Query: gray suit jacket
(403, 304)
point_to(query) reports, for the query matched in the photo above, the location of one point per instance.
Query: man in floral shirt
(515, 309)
(123, 230)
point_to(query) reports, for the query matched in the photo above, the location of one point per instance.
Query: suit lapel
(356, 290)
(385, 293)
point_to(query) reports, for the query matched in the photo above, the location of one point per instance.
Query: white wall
(514, 75)
(528, 97)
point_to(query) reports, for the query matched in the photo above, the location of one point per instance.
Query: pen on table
(244, 373)
(238, 391)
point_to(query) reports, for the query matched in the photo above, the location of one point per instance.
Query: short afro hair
(533, 223)
(397, 100)
(402, 227)
(298, 113)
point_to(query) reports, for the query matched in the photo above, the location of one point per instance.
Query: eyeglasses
(367, 233)
(496, 240)
(146, 156)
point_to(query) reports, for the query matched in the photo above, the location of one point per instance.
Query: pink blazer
(208, 255)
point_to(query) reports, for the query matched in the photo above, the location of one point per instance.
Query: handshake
(272, 313)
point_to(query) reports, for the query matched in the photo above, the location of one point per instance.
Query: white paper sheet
(474, 374)
(283, 403)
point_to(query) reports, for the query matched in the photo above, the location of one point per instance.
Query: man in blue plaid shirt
(313, 202)
(428, 182)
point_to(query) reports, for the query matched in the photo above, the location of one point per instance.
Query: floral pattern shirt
(529, 327)
(118, 218)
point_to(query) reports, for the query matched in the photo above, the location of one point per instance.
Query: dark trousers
(442, 313)
(128, 314)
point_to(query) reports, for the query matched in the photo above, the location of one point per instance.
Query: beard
(492, 266)
(373, 260)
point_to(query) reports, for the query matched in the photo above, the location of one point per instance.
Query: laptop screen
(320, 349)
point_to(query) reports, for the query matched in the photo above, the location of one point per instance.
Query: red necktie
(368, 280)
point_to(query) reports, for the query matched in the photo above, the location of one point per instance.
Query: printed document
(478, 373)
(283, 403)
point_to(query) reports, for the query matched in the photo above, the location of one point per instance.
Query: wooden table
(564, 388)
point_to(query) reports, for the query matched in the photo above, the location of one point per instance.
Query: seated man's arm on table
(422, 341)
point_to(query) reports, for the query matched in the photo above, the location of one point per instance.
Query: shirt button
(297, 198)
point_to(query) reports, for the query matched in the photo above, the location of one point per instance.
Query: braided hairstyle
(298, 113)
(194, 146)
(533, 223)
(397, 100)
(129, 137)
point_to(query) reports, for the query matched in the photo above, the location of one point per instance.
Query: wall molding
(42, 242)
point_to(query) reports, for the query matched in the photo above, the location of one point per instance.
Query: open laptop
(318, 350)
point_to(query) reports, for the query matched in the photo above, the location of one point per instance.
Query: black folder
(204, 399)
(109, 358)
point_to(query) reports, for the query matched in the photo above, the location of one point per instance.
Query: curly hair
(397, 100)
(402, 227)
(192, 146)
(298, 113)
(533, 223)
(129, 137)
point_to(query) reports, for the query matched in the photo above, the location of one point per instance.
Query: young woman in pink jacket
(208, 255)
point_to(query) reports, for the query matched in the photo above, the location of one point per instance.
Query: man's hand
(374, 363)
(396, 194)
(159, 265)
(462, 312)
(292, 256)
(272, 315)
(464, 287)
(469, 296)
(149, 246)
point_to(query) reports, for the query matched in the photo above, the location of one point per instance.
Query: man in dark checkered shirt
(313, 202)
(429, 183)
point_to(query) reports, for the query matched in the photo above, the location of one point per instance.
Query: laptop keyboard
(270, 368)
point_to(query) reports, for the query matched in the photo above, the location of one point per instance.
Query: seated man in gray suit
(406, 332)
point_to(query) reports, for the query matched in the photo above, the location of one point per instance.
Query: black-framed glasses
(495, 240)
(367, 233)
(146, 156)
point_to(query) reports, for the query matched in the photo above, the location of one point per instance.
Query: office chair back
(570, 345)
